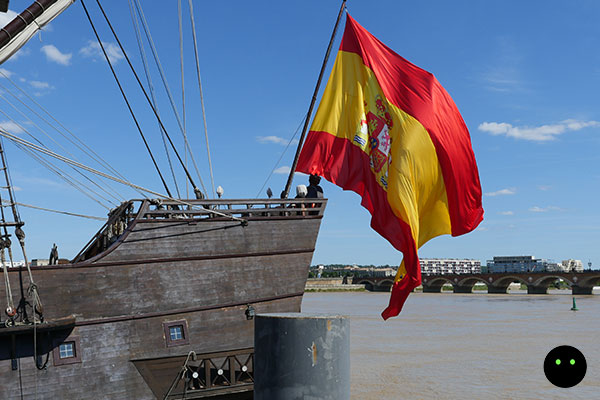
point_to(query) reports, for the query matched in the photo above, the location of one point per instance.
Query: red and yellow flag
(387, 130)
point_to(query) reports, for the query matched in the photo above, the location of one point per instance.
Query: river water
(464, 346)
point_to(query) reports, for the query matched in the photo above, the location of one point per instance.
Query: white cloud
(5, 18)
(283, 170)
(544, 209)
(544, 188)
(94, 51)
(537, 133)
(502, 192)
(11, 127)
(55, 55)
(275, 139)
(506, 213)
(40, 85)
(5, 73)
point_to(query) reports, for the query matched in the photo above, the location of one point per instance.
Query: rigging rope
(35, 147)
(118, 200)
(125, 97)
(212, 179)
(66, 177)
(79, 144)
(5, 203)
(196, 190)
(185, 154)
(281, 156)
(76, 185)
(32, 290)
(152, 92)
(166, 86)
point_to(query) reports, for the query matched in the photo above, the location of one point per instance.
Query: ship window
(176, 333)
(67, 351)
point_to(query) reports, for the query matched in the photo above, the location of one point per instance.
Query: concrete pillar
(581, 290)
(432, 289)
(301, 356)
(382, 288)
(497, 289)
(531, 289)
(463, 289)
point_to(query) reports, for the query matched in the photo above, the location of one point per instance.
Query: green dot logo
(565, 366)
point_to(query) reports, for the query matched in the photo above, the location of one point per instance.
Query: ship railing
(117, 222)
(212, 374)
(121, 217)
(222, 208)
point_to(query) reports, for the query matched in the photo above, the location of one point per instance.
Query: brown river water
(464, 346)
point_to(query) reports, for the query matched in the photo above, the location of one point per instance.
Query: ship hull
(205, 273)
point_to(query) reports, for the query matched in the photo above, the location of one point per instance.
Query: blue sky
(525, 76)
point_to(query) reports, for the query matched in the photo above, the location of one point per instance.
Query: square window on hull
(176, 333)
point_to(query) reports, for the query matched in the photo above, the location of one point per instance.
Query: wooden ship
(160, 302)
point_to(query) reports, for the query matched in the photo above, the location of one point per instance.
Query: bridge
(536, 282)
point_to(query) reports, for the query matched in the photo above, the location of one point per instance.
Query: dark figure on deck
(314, 190)
(53, 255)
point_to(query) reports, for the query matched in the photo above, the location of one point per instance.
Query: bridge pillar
(497, 289)
(581, 290)
(382, 288)
(432, 289)
(463, 289)
(532, 289)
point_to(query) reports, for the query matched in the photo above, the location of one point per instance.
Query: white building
(450, 266)
(14, 264)
(521, 264)
(572, 265)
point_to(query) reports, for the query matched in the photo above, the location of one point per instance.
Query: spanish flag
(387, 130)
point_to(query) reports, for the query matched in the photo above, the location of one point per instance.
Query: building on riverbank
(523, 264)
(572, 265)
(450, 266)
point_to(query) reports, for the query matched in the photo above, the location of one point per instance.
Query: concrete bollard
(301, 356)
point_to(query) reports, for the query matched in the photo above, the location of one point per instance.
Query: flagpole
(286, 191)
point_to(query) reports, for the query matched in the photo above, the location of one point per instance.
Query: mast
(18, 32)
(312, 103)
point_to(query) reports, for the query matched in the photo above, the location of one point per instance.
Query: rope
(32, 291)
(180, 23)
(212, 179)
(280, 157)
(145, 93)
(66, 178)
(118, 200)
(125, 97)
(4, 203)
(8, 291)
(180, 374)
(81, 146)
(152, 92)
(102, 174)
(166, 86)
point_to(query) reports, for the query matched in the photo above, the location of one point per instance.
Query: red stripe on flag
(347, 166)
(419, 94)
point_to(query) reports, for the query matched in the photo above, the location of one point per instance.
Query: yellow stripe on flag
(415, 186)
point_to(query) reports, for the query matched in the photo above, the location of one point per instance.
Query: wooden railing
(243, 208)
